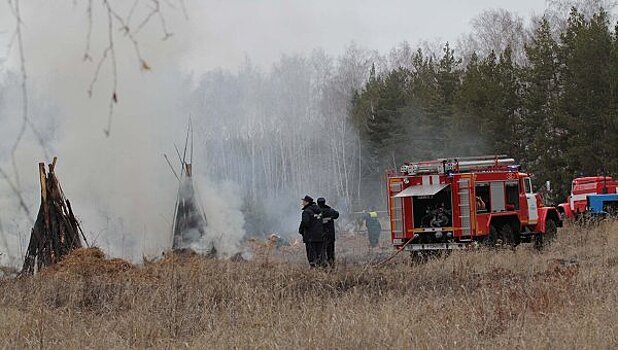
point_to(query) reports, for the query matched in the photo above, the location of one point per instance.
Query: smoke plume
(120, 186)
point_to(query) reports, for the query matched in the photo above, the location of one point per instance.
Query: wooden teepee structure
(189, 219)
(56, 232)
(189, 223)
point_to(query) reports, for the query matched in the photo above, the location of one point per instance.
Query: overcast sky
(268, 28)
(220, 33)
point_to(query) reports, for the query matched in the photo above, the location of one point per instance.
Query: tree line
(555, 110)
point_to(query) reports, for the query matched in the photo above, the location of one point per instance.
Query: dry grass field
(563, 298)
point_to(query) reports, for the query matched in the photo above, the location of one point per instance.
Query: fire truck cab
(453, 203)
(590, 194)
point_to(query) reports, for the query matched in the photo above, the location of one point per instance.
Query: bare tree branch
(183, 6)
(114, 98)
(26, 122)
(89, 32)
(116, 21)
(130, 14)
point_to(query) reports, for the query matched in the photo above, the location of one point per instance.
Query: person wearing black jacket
(328, 216)
(312, 231)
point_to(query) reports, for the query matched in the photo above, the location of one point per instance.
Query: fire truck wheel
(503, 236)
(507, 235)
(492, 238)
(542, 240)
(551, 229)
(538, 241)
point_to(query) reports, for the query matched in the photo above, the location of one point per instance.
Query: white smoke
(222, 203)
(120, 187)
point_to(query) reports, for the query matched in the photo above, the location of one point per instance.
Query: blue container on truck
(603, 204)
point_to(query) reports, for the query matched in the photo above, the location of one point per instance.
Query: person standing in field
(328, 216)
(373, 227)
(311, 229)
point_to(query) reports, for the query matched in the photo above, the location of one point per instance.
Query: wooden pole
(44, 193)
(171, 167)
(52, 166)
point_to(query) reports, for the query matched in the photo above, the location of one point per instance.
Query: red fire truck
(582, 189)
(454, 203)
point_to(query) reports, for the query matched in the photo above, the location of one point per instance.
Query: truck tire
(542, 240)
(551, 230)
(507, 234)
(492, 238)
(502, 236)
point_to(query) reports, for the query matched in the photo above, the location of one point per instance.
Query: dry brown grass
(565, 297)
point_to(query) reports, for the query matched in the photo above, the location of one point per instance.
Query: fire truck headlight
(438, 235)
(449, 235)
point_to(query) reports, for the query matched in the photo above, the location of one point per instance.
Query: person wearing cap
(312, 231)
(328, 216)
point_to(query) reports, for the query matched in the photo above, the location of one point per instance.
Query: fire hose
(399, 250)
(385, 260)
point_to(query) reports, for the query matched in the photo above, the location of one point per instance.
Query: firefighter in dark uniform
(312, 231)
(328, 216)
(373, 227)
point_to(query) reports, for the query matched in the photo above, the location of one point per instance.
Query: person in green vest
(373, 227)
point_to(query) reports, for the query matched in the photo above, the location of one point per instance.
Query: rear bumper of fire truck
(440, 246)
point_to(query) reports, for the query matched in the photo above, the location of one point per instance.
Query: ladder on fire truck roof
(458, 165)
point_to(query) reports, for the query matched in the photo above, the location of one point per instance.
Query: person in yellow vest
(373, 227)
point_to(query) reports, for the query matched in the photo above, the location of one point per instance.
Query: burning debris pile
(189, 223)
(89, 262)
(189, 218)
(56, 231)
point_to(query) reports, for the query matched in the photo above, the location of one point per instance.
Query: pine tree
(509, 110)
(377, 113)
(611, 125)
(468, 127)
(585, 101)
(447, 79)
(542, 137)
